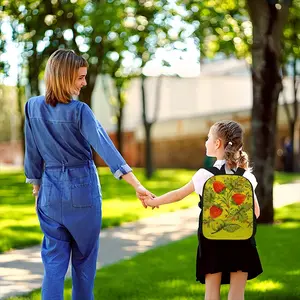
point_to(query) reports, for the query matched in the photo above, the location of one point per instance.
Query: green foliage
(221, 27)
(291, 45)
(104, 32)
(225, 27)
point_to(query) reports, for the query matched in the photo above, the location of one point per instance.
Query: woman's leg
(55, 255)
(85, 245)
(238, 282)
(83, 272)
(212, 286)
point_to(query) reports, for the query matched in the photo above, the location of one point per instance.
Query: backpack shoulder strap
(216, 171)
(213, 170)
(240, 171)
(222, 170)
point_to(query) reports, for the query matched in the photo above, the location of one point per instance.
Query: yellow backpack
(228, 206)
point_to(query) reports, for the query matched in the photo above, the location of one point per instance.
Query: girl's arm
(256, 207)
(172, 196)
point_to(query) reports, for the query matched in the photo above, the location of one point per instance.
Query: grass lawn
(19, 226)
(282, 178)
(168, 272)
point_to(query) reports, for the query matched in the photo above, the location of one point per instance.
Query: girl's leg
(212, 286)
(238, 282)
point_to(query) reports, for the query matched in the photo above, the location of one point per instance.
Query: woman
(59, 134)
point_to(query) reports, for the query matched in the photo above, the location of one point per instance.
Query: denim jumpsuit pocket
(81, 195)
(44, 200)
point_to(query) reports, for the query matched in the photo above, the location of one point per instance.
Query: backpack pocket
(228, 208)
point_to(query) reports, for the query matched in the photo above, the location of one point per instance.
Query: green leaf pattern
(236, 220)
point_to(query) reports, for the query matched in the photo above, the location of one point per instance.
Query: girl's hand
(151, 202)
(35, 193)
(142, 194)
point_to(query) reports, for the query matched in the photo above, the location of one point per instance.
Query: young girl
(221, 261)
(59, 134)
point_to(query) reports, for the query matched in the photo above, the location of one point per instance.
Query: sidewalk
(21, 271)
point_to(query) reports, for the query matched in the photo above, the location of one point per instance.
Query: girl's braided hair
(231, 133)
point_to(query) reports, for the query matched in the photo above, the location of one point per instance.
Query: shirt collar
(219, 163)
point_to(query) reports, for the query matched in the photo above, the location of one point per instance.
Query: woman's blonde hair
(60, 75)
(231, 133)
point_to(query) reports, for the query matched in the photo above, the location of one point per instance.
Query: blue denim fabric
(69, 211)
(58, 157)
(63, 135)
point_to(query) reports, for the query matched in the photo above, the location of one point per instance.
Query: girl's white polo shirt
(202, 175)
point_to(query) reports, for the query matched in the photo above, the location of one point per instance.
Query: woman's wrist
(137, 186)
(132, 180)
(35, 190)
(35, 193)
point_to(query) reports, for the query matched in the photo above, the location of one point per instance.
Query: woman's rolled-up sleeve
(33, 162)
(97, 137)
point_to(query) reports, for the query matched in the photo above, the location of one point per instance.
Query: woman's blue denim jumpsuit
(58, 157)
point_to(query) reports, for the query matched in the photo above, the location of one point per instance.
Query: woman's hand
(35, 193)
(142, 193)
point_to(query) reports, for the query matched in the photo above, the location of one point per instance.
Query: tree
(39, 27)
(145, 30)
(268, 20)
(152, 26)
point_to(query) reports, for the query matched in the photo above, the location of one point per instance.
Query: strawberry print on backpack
(228, 206)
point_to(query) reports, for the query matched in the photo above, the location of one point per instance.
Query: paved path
(21, 271)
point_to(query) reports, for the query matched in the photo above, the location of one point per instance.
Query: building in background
(188, 107)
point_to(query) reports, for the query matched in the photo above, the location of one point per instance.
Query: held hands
(144, 194)
(149, 201)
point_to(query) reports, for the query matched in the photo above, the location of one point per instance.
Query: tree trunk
(268, 23)
(120, 120)
(34, 68)
(148, 149)
(147, 127)
(22, 120)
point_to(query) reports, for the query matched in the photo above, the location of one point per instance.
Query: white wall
(182, 99)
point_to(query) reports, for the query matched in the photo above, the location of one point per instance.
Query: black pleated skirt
(214, 256)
